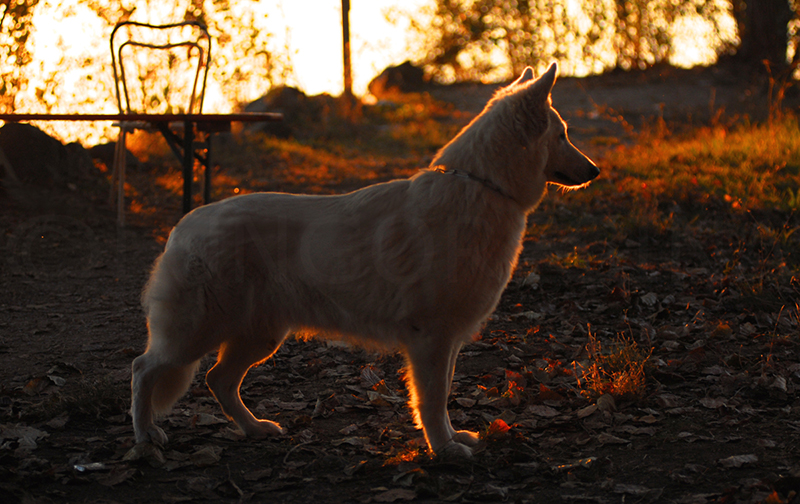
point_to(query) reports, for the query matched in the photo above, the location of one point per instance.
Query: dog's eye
(562, 137)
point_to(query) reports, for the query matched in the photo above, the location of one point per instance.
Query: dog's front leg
(464, 437)
(236, 356)
(431, 363)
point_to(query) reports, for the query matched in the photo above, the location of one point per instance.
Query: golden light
(71, 67)
(70, 71)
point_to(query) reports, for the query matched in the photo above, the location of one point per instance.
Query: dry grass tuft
(619, 371)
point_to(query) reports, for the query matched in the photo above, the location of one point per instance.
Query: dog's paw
(152, 434)
(454, 451)
(262, 429)
(467, 438)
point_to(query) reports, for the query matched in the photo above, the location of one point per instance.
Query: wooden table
(183, 147)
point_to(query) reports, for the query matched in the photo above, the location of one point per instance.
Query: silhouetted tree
(763, 33)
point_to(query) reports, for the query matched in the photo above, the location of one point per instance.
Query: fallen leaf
(532, 280)
(36, 385)
(58, 422)
(498, 426)
(369, 377)
(117, 475)
(713, 403)
(395, 494)
(291, 406)
(636, 431)
(206, 419)
(779, 383)
(25, 436)
(738, 460)
(352, 440)
(231, 434)
(543, 411)
(637, 490)
(605, 438)
(715, 370)
(606, 403)
(649, 299)
(747, 329)
(258, 474)
(466, 402)
(207, 455)
(723, 330)
(588, 410)
(377, 399)
(57, 380)
(548, 394)
(348, 430)
(352, 469)
(527, 315)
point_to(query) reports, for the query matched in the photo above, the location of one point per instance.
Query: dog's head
(540, 126)
(519, 143)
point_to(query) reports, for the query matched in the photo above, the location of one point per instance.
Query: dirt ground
(719, 420)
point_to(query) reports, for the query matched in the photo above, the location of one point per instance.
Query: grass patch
(618, 370)
(748, 166)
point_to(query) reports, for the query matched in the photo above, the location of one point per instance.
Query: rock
(301, 113)
(105, 153)
(38, 171)
(79, 162)
(34, 156)
(403, 78)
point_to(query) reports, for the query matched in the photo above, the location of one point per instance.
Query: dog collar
(468, 176)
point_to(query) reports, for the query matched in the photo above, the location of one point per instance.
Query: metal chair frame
(203, 63)
(185, 147)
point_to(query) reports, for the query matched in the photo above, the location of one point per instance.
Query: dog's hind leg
(236, 357)
(155, 386)
(430, 376)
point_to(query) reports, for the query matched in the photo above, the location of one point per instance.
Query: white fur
(415, 265)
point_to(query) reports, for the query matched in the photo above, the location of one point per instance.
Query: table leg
(120, 160)
(207, 177)
(188, 164)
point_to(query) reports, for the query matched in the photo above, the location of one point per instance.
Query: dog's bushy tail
(174, 304)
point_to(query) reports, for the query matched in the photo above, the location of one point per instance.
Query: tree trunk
(763, 30)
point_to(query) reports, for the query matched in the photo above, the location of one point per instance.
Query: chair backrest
(157, 66)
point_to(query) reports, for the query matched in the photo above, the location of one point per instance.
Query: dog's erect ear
(527, 75)
(547, 80)
(535, 101)
(538, 93)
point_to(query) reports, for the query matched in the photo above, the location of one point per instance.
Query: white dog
(415, 265)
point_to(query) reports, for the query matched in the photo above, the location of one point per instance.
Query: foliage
(238, 31)
(15, 21)
(470, 38)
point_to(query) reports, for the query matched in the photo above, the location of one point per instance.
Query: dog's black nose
(594, 171)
